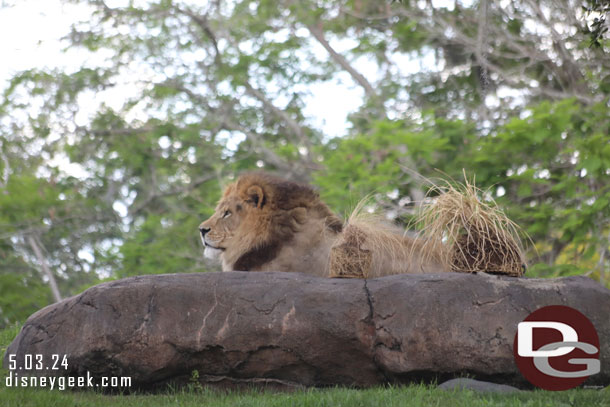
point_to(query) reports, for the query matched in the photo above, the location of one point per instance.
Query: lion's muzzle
(210, 251)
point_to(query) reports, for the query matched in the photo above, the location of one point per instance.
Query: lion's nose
(203, 231)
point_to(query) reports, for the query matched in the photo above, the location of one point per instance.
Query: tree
(512, 92)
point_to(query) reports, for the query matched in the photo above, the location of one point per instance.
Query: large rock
(291, 329)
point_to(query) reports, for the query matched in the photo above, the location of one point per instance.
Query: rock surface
(289, 329)
(477, 385)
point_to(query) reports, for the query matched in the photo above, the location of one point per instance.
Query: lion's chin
(211, 253)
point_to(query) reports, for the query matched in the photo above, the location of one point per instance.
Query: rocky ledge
(289, 329)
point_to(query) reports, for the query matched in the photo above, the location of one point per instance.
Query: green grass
(383, 397)
(6, 337)
(403, 396)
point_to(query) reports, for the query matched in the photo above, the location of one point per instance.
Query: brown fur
(370, 247)
(265, 223)
(279, 225)
(274, 225)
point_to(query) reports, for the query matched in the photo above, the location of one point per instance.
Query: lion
(266, 223)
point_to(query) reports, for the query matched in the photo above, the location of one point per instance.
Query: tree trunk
(45, 267)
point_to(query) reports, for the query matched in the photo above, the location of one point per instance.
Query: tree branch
(35, 244)
(292, 124)
(318, 34)
(294, 170)
(203, 24)
(135, 209)
(482, 44)
(570, 68)
(268, 155)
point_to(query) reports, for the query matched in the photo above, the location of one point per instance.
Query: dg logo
(556, 348)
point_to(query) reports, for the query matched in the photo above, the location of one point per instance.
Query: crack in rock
(205, 318)
(490, 302)
(370, 320)
(268, 311)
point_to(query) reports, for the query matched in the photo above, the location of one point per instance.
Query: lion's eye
(226, 214)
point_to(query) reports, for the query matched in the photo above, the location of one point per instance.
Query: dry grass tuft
(471, 235)
(349, 259)
(364, 233)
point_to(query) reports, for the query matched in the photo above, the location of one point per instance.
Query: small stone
(477, 385)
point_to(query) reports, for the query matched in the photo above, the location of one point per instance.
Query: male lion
(265, 223)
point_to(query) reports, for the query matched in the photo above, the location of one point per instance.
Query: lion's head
(257, 216)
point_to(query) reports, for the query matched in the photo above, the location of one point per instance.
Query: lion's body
(370, 248)
(263, 223)
(306, 252)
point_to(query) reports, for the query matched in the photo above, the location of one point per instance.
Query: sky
(32, 32)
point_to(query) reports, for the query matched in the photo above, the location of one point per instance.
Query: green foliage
(27, 198)
(194, 383)
(21, 293)
(25, 202)
(162, 245)
(212, 89)
(552, 167)
(375, 163)
(599, 10)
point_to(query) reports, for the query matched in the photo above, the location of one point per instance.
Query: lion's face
(221, 230)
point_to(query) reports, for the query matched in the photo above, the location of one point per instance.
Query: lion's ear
(256, 196)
